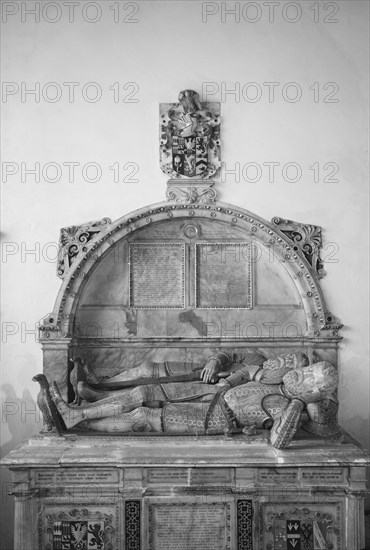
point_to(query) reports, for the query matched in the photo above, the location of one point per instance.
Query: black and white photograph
(185, 275)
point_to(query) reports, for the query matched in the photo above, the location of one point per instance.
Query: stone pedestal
(188, 493)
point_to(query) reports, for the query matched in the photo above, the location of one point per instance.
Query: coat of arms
(190, 137)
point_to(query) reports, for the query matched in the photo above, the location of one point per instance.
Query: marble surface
(109, 360)
(73, 449)
(104, 310)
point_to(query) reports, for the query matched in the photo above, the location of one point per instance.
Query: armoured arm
(241, 376)
(214, 365)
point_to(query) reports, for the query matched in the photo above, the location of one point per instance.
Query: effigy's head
(311, 383)
(287, 361)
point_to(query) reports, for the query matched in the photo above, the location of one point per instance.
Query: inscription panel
(211, 476)
(157, 275)
(224, 275)
(162, 476)
(285, 475)
(189, 524)
(323, 476)
(189, 476)
(76, 476)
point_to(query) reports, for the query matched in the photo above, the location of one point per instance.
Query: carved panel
(132, 524)
(313, 527)
(81, 528)
(189, 524)
(224, 275)
(198, 192)
(157, 275)
(244, 517)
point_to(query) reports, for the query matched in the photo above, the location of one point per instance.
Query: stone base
(188, 493)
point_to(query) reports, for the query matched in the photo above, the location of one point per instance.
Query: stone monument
(189, 384)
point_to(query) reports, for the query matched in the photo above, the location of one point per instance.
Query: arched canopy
(190, 271)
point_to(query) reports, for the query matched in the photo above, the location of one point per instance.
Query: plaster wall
(154, 51)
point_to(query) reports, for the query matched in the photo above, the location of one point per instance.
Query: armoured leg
(284, 427)
(145, 370)
(109, 407)
(141, 419)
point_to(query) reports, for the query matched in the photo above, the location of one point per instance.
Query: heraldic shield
(190, 155)
(190, 137)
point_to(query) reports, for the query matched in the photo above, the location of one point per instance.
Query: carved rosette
(306, 239)
(201, 192)
(74, 240)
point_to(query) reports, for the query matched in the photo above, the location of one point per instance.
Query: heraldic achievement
(190, 138)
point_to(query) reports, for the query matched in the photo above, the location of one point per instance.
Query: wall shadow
(22, 418)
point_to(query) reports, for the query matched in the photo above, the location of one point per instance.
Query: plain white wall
(173, 46)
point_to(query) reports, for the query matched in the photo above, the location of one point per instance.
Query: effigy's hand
(223, 383)
(209, 372)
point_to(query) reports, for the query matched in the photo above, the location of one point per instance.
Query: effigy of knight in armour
(154, 397)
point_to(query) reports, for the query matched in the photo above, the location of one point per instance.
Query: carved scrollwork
(186, 194)
(76, 239)
(306, 239)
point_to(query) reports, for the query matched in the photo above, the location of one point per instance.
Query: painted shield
(296, 534)
(190, 155)
(78, 535)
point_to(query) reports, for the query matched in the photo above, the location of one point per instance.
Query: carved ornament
(78, 528)
(310, 528)
(182, 193)
(75, 239)
(307, 240)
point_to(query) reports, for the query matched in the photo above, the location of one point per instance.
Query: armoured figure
(272, 395)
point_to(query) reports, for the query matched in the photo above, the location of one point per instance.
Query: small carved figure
(77, 375)
(80, 373)
(41, 401)
(47, 405)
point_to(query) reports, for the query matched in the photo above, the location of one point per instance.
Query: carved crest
(190, 137)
